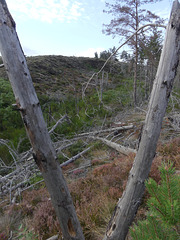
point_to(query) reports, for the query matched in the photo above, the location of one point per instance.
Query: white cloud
(47, 10)
(89, 52)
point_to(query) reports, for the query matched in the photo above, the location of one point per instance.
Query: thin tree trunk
(29, 107)
(135, 73)
(128, 204)
(136, 57)
(101, 86)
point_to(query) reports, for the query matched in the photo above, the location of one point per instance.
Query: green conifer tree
(163, 217)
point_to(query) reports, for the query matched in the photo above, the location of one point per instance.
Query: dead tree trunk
(124, 150)
(29, 107)
(167, 70)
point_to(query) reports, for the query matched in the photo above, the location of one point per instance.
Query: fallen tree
(127, 206)
(25, 170)
(114, 129)
(116, 146)
(75, 157)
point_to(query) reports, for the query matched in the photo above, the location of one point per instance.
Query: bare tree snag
(29, 107)
(128, 204)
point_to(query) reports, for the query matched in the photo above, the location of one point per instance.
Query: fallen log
(116, 146)
(19, 179)
(74, 157)
(107, 130)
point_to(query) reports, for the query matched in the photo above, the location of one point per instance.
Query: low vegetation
(163, 215)
(94, 196)
(95, 189)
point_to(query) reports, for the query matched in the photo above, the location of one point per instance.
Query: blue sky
(67, 27)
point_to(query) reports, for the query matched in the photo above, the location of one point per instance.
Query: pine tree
(128, 16)
(163, 217)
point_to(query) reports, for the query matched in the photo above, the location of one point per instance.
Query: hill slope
(51, 72)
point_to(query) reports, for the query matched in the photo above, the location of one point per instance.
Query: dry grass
(94, 196)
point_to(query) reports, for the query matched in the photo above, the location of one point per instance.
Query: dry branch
(60, 121)
(107, 130)
(24, 171)
(75, 157)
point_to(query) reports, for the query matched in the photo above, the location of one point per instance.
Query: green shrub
(25, 233)
(163, 217)
(8, 117)
(76, 148)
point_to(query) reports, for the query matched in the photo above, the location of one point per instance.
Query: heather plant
(31, 199)
(3, 236)
(171, 150)
(44, 220)
(96, 195)
(163, 217)
(155, 173)
(94, 215)
(34, 207)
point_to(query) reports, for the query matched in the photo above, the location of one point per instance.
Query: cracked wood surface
(128, 204)
(30, 110)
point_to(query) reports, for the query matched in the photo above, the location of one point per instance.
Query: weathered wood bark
(167, 70)
(29, 107)
(60, 121)
(107, 130)
(116, 146)
(75, 157)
